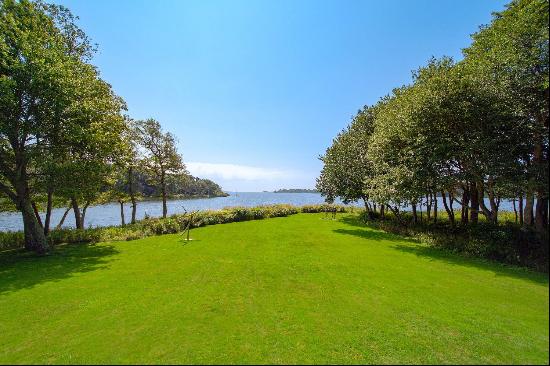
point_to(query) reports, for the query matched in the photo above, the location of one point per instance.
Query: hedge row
(170, 225)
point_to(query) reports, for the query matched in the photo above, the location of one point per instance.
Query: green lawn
(299, 289)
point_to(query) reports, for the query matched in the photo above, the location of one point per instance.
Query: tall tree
(161, 158)
(52, 102)
(510, 55)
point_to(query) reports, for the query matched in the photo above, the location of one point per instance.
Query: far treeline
(473, 132)
(64, 136)
(296, 190)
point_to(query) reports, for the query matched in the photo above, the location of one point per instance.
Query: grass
(298, 289)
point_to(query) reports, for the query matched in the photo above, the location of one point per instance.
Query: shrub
(504, 242)
(152, 226)
(326, 208)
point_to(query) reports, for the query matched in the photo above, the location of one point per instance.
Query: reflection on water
(109, 214)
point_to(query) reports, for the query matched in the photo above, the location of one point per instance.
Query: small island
(296, 190)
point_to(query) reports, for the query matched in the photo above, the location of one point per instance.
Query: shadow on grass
(19, 269)
(413, 246)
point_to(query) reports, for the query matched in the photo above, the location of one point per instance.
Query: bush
(503, 242)
(327, 208)
(152, 226)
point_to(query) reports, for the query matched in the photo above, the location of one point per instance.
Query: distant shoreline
(296, 190)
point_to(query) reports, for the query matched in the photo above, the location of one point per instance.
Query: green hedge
(505, 242)
(327, 208)
(152, 226)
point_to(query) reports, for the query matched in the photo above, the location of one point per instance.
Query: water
(109, 214)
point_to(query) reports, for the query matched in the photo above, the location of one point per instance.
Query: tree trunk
(163, 187)
(122, 213)
(366, 202)
(415, 216)
(37, 214)
(382, 212)
(474, 197)
(132, 194)
(83, 217)
(450, 213)
(77, 215)
(491, 214)
(33, 231)
(528, 218)
(541, 213)
(435, 208)
(63, 218)
(48, 213)
(465, 203)
(429, 206)
(515, 210)
(520, 209)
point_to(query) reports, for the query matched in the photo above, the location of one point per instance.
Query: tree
(161, 158)
(345, 164)
(52, 103)
(510, 56)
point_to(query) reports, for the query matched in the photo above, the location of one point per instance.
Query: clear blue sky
(255, 90)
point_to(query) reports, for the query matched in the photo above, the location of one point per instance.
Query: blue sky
(255, 90)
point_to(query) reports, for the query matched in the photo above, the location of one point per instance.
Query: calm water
(109, 214)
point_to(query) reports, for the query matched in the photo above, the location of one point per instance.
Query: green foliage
(153, 226)
(470, 131)
(60, 123)
(346, 168)
(326, 208)
(505, 241)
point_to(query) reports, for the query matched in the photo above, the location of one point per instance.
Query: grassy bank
(297, 289)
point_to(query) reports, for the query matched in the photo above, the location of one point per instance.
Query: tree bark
(450, 213)
(77, 215)
(528, 219)
(520, 209)
(122, 213)
(367, 205)
(63, 218)
(435, 208)
(164, 206)
(515, 210)
(541, 213)
(37, 214)
(465, 203)
(132, 194)
(429, 206)
(33, 231)
(83, 217)
(48, 213)
(489, 214)
(474, 207)
(415, 216)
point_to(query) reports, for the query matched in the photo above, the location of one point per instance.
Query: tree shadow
(374, 234)
(413, 246)
(20, 269)
(455, 259)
